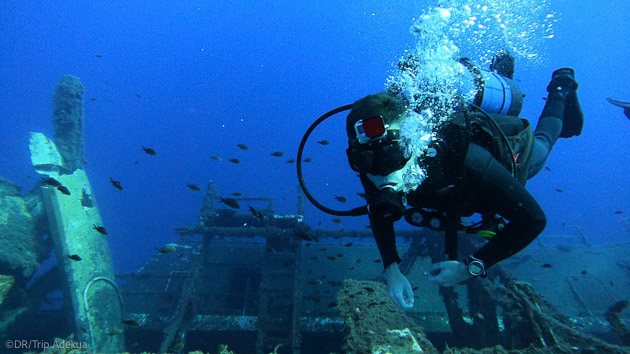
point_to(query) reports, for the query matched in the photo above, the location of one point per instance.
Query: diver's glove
(449, 273)
(399, 287)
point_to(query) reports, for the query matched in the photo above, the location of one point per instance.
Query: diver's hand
(449, 273)
(399, 287)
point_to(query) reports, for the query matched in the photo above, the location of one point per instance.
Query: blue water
(214, 74)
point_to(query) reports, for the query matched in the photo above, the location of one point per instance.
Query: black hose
(353, 212)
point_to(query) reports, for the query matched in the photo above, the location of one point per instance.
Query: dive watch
(475, 267)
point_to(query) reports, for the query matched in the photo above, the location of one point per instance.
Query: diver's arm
(385, 238)
(383, 230)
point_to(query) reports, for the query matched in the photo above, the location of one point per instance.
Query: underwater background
(191, 79)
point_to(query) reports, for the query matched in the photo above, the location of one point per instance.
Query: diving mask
(377, 149)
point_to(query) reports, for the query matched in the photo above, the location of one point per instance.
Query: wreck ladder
(279, 297)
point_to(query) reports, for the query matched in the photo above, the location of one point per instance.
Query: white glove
(449, 273)
(399, 287)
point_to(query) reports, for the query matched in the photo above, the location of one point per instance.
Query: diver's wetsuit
(489, 188)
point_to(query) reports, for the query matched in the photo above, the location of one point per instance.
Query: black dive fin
(622, 104)
(573, 118)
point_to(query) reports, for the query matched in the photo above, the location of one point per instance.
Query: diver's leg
(496, 191)
(546, 134)
(561, 118)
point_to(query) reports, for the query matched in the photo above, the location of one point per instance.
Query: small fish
(547, 168)
(291, 161)
(235, 161)
(304, 235)
(243, 146)
(308, 244)
(308, 159)
(132, 323)
(332, 304)
(361, 194)
(377, 261)
(99, 56)
(333, 258)
(342, 199)
(624, 105)
(256, 213)
(116, 184)
(52, 182)
(75, 257)
(584, 272)
(165, 249)
(231, 202)
(178, 346)
(138, 95)
(349, 244)
(63, 190)
(324, 248)
(216, 158)
(84, 330)
(559, 190)
(336, 220)
(323, 142)
(276, 153)
(92, 99)
(149, 151)
(193, 187)
(314, 258)
(100, 229)
(136, 162)
(317, 281)
(115, 332)
(415, 288)
(619, 212)
(236, 194)
(369, 227)
(546, 265)
(358, 260)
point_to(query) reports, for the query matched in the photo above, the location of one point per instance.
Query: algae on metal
(67, 104)
(19, 244)
(88, 285)
(6, 282)
(373, 324)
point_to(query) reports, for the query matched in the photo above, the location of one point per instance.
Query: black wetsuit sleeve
(495, 190)
(385, 238)
(383, 230)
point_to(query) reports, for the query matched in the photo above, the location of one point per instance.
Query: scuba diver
(477, 162)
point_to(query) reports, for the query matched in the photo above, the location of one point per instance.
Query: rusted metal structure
(257, 285)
